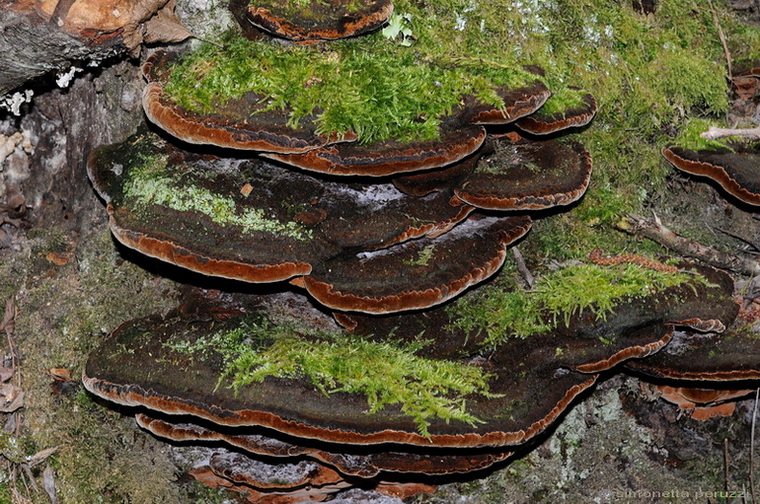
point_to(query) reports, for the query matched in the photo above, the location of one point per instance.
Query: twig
(655, 230)
(714, 133)
(726, 464)
(752, 448)
(522, 268)
(722, 38)
(740, 238)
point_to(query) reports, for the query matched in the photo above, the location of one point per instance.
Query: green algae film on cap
(153, 182)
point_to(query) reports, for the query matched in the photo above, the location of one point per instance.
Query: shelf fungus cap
(735, 169)
(317, 20)
(528, 175)
(417, 274)
(694, 358)
(547, 120)
(241, 124)
(365, 463)
(389, 157)
(142, 364)
(518, 102)
(191, 210)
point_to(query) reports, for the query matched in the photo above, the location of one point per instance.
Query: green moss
(563, 101)
(370, 85)
(387, 374)
(151, 182)
(505, 310)
(690, 137)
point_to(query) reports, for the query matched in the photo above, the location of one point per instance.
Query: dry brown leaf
(48, 483)
(165, 26)
(41, 456)
(132, 33)
(60, 374)
(5, 373)
(11, 398)
(9, 319)
(57, 259)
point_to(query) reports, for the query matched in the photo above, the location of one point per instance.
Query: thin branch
(522, 268)
(714, 133)
(655, 230)
(722, 37)
(740, 238)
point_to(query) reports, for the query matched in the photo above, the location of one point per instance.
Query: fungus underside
(386, 373)
(504, 310)
(152, 181)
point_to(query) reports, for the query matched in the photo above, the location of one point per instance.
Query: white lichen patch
(13, 102)
(373, 196)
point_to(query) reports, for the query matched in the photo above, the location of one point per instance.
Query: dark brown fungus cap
(136, 367)
(735, 169)
(637, 327)
(545, 123)
(241, 124)
(388, 157)
(447, 178)
(518, 103)
(527, 175)
(364, 463)
(319, 20)
(266, 483)
(416, 274)
(709, 357)
(189, 210)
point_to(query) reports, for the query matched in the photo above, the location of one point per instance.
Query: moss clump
(690, 137)
(506, 311)
(151, 182)
(564, 101)
(371, 85)
(387, 374)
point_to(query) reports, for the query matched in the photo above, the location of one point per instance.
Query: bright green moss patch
(387, 374)
(505, 310)
(563, 101)
(690, 137)
(371, 85)
(152, 182)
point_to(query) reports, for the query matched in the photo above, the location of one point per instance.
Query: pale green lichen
(150, 182)
(507, 311)
(385, 373)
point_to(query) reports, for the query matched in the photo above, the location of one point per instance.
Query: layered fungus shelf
(346, 150)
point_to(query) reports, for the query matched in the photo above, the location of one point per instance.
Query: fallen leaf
(48, 483)
(5, 373)
(11, 397)
(165, 26)
(60, 374)
(57, 259)
(9, 319)
(41, 456)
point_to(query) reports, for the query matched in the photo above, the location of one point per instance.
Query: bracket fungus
(733, 167)
(314, 20)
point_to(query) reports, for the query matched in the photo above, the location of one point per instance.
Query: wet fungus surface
(314, 20)
(733, 167)
(386, 183)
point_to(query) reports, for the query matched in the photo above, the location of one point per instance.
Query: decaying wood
(655, 230)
